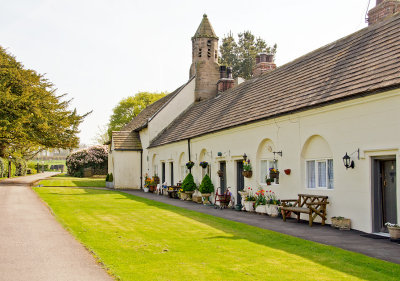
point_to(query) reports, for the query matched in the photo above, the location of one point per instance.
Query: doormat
(374, 236)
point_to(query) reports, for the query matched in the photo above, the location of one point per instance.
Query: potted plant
(203, 164)
(156, 179)
(189, 186)
(147, 182)
(109, 181)
(247, 169)
(272, 204)
(394, 231)
(206, 188)
(249, 200)
(268, 180)
(341, 223)
(261, 202)
(287, 171)
(190, 165)
(273, 173)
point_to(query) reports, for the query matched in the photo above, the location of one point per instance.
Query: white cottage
(343, 98)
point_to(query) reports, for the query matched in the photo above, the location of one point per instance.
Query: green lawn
(63, 180)
(139, 239)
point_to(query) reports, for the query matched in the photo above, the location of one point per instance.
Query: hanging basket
(273, 175)
(287, 171)
(247, 174)
(203, 165)
(189, 165)
(220, 173)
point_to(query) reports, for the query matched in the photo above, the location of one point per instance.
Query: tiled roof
(205, 30)
(150, 111)
(359, 64)
(126, 140)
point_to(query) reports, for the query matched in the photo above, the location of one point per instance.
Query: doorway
(239, 182)
(222, 180)
(163, 172)
(384, 193)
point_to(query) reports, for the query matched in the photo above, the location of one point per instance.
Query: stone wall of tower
(205, 67)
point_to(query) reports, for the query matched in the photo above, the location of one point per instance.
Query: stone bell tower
(205, 60)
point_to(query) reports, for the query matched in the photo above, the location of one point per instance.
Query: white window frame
(317, 175)
(269, 161)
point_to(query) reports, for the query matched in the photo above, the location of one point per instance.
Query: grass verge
(139, 239)
(63, 180)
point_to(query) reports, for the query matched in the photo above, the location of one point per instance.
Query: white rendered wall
(371, 124)
(126, 169)
(173, 109)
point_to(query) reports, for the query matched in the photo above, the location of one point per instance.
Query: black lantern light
(348, 163)
(244, 157)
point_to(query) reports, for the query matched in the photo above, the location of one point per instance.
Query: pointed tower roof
(205, 29)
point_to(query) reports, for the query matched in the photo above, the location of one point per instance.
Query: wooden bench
(313, 205)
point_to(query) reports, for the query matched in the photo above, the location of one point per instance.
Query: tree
(32, 116)
(130, 107)
(206, 185)
(188, 183)
(241, 55)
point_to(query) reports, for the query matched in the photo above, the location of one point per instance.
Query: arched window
(318, 161)
(183, 170)
(266, 161)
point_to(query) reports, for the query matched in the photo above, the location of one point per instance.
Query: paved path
(348, 240)
(27, 180)
(33, 245)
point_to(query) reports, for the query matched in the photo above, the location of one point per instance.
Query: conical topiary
(206, 185)
(188, 183)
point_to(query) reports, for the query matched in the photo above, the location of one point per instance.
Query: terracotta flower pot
(287, 171)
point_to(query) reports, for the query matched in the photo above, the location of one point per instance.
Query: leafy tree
(32, 116)
(206, 185)
(188, 183)
(130, 107)
(241, 55)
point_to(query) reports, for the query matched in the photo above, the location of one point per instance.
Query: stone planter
(189, 195)
(394, 232)
(109, 184)
(183, 196)
(249, 206)
(197, 199)
(145, 189)
(341, 223)
(247, 174)
(272, 210)
(206, 196)
(261, 209)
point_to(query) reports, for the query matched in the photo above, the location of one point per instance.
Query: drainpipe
(190, 170)
(141, 169)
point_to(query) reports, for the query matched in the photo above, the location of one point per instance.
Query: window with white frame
(265, 165)
(155, 170)
(319, 173)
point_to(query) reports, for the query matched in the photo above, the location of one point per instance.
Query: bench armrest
(289, 200)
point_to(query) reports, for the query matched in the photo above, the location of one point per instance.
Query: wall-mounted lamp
(348, 163)
(219, 154)
(244, 157)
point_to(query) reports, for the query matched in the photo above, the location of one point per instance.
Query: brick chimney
(225, 81)
(264, 63)
(383, 10)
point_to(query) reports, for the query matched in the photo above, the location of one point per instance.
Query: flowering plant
(203, 164)
(190, 164)
(272, 199)
(392, 225)
(249, 196)
(247, 166)
(94, 156)
(260, 198)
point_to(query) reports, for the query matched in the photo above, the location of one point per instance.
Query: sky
(99, 52)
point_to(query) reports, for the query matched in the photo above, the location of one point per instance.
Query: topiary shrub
(206, 185)
(188, 183)
(108, 178)
(111, 178)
